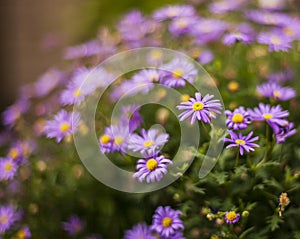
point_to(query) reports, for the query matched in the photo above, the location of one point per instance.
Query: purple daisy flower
(276, 91)
(139, 231)
(205, 57)
(166, 222)
(271, 5)
(276, 41)
(152, 168)
(174, 11)
(291, 28)
(74, 225)
(245, 143)
(8, 216)
(280, 77)
(207, 30)
(284, 131)
(148, 142)
(14, 112)
(106, 141)
(224, 6)
(63, 124)
(130, 116)
(181, 25)
(24, 233)
(232, 217)
(267, 18)
(238, 119)
(177, 72)
(8, 168)
(242, 33)
(200, 108)
(272, 115)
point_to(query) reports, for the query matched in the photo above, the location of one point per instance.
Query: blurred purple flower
(24, 233)
(74, 225)
(284, 131)
(8, 216)
(276, 41)
(276, 91)
(271, 5)
(8, 168)
(139, 231)
(245, 143)
(130, 116)
(181, 25)
(173, 11)
(200, 108)
(267, 18)
(166, 222)
(238, 119)
(224, 6)
(14, 112)
(280, 77)
(205, 57)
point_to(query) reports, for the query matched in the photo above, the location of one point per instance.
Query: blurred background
(34, 34)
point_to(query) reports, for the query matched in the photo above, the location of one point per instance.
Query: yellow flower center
(119, 140)
(181, 23)
(148, 143)
(166, 222)
(277, 94)
(231, 216)
(13, 153)
(156, 54)
(185, 97)
(288, 31)
(177, 73)
(8, 167)
(198, 106)
(172, 12)
(151, 164)
(237, 118)
(233, 86)
(267, 116)
(240, 142)
(21, 234)
(77, 93)
(275, 40)
(105, 139)
(3, 219)
(65, 127)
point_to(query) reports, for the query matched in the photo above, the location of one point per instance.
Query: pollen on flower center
(198, 106)
(166, 222)
(119, 140)
(65, 127)
(13, 153)
(105, 139)
(148, 143)
(231, 215)
(77, 92)
(240, 141)
(267, 116)
(288, 31)
(21, 234)
(8, 167)
(277, 94)
(275, 40)
(177, 73)
(237, 118)
(3, 219)
(185, 97)
(151, 164)
(182, 23)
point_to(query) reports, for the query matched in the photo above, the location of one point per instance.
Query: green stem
(237, 158)
(268, 149)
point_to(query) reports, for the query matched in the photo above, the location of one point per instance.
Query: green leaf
(274, 222)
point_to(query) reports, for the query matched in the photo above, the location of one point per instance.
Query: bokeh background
(34, 34)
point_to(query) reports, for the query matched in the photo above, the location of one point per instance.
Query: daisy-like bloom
(284, 131)
(8, 168)
(238, 119)
(271, 5)
(177, 72)
(139, 231)
(276, 91)
(8, 216)
(267, 17)
(14, 112)
(208, 30)
(181, 25)
(280, 77)
(74, 225)
(245, 143)
(291, 28)
(276, 41)
(232, 217)
(149, 141)
(166, 222)
(224, 6)
(200, 108)
(174, 11)
(272, 115)
(62, 125)
(152, 168)
(243, 33)
(24, 233)
(151, 75)
(106, 141)
(130, 116)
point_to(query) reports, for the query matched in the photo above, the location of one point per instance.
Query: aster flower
(14, 112)
(148, 142)
(8, 168)
(280, 77)
(232, 217)
(284, 131)
(291, 28)
(62, 125)
(200, 108)
(24, 233)
(242, 33)
(173, 11)
(177, 235)
(152, 168)
(276, 41)
(238, 119)
(224, 6)
(205, 57)
(267, 17)
(139, 231)
(74, 225)
(181, 25)
(106, 141)
(8, 216)
(245, 143)
(177, 72)
(276, 91)
(130, 116)
(271, 5)
(166, 222)
(272, 115)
